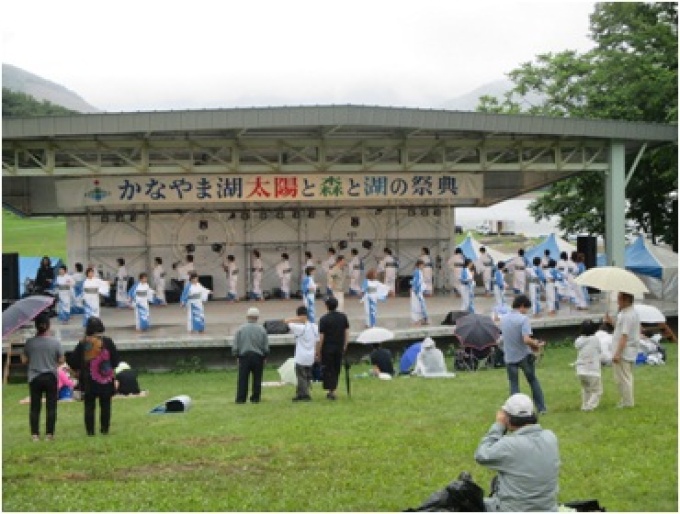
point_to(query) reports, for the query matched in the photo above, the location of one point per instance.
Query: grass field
(386, 448)
(33, 237)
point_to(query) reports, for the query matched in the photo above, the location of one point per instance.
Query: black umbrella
(347, 366)
(453, 316)
(23, 311)
(477, 331)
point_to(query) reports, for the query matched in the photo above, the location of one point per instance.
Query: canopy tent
(470, 247)
(656, 267)
(28, 269)
(553, 243)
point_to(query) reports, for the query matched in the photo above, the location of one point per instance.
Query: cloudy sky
(153, 54)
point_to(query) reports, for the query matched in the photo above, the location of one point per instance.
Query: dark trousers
(249, 363)
(90, 400)
(527, 365)
(44, 383)
(304, 380)
(331, 360)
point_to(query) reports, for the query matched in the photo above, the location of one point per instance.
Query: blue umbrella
(409, 358)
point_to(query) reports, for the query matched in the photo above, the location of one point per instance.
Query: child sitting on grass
(588, 366)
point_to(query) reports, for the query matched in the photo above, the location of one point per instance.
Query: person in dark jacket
(126, 380)
(95, 358)
(45, 275)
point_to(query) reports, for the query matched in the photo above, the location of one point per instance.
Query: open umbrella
(287, 372)
(453, 316)
(408, 359)
(649, 313)
(477, 331)
(375, 335)
(611, 278)
(23, 311)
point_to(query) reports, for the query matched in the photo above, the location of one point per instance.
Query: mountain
(22, 81)
(470, 101)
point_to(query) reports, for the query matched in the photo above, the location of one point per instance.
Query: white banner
(121, 191)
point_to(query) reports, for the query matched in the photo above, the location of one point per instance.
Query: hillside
(25, 82)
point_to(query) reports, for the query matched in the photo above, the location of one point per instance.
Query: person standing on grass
(625, 344)
(526, 457)
(95, 358)
(333, 341)
(43, 354)
(588, 367)
(519, 347)
(306, 338)
(251, 347)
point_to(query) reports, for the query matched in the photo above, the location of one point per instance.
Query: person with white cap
(250, 347)
(430, 360)
(526, 457)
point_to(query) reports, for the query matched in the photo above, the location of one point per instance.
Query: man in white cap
(251, 347)
(526, 457)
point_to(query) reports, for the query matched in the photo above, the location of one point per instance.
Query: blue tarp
(549, 243)
(28, 268)
(640, 260)
(468, 248)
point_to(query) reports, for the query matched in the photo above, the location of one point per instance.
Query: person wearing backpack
(95, 358)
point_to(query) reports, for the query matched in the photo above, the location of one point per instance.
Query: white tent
(656, 266)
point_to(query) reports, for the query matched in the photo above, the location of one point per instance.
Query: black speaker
(587, 245)
(10, 276)
(206, 281)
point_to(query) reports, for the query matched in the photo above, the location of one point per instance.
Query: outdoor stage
(167, 342)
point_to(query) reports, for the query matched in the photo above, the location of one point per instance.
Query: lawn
(33, 237)
(386, 448)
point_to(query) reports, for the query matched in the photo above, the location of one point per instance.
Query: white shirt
(588, 361)
(306, 336)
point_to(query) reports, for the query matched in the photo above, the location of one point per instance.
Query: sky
(156, 55)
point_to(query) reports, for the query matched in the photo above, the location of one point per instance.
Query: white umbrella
(611, 278)
(375, 335)
(287, 372)
(649, 313)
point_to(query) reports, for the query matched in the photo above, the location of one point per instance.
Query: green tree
(631, 74)
(15, 103)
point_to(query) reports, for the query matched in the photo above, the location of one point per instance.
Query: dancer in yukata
(159, 282)
(536, 280)
(309, 293)
(456, 264)
(232, 278)
(552, 280)
(373, 291)
(355, 267)
(326, 266)
(467, 289)
(256, 271)
(92, 288)
(192, 298)
(389, 266)
(284, 271)
(428, 285)
(77, 289)
(141, 295)
(518, 266)
(418, 307)
(485, 266)
(121, 284)
(498, 284)
(64, 283)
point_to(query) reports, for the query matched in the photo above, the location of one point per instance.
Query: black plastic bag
(461, 495)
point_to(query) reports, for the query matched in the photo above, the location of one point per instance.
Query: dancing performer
(467, 289)
(485, 266)
(456, 264)
(92, 288)
(389, 266)
(159, 282)
(121, 284)
(284, 271)
(192, 298)
(256, 272)
(232, 278)
(77, 290)
(309, 293)
(536, 280)
(141, 295)
(64, 283)
(499, 285)
(373, 291)
(418, 307)
(518, 266)
(326, 266)
(355, 267)
(552, 279)
(428, 285)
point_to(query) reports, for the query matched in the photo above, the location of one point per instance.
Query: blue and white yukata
(92, 288)
(284, 271)
(326, 266)
(373, 292)
(64, 285)
(536, 281)
(77, 293)
(122, 287)
(553, 279)
(232, 281)
(355, 268)
(467, 290)
(309, 296)
(498, 285)
(159, 284)
(192, 298)
(418, 307)
(141, 295)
